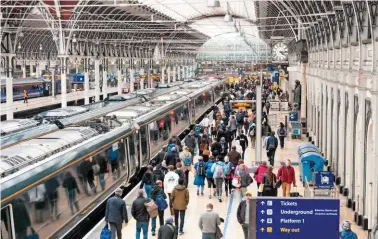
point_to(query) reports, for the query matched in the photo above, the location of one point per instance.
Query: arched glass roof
(234, 47)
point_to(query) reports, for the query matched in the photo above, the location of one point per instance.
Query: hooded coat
(180, 197)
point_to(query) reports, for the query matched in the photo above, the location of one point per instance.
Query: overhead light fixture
(20, 34)
(213, 3)
(228, 17)
(74, 39)
(97, 42)
(40, 47)
(19, 46)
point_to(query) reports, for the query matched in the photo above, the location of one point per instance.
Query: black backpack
(201, 169)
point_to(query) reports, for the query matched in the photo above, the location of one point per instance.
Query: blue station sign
(297, 218)
(324, 180)
(293, 116)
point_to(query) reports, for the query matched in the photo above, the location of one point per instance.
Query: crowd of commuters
(214, 151)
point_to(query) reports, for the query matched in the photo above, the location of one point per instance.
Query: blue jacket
(348, 235)
(208, 166)
(116, 210)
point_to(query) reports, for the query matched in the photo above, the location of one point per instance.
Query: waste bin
(311, 162)
(305, 148)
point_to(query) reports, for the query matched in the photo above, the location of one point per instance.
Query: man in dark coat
(116, 213)
(168, 231)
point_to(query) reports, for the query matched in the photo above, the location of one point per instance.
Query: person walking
(234, 156)
(170, 181)
(116, 213)
(269, 183)
(286, 174)
(159, 197)
(168, 231)
(140, 214)
(259, 174)
(180, 173)
(266, 130)
(187, 161)
(267, 107)
(216, 148)
(229, 136)
(190, 142)
(219, 171)
(244, 178)
(282, 134)
(172, 157)
(232, 123)
(224, 146)
(180, 200)
(200, 173)
(26, 96)
(230, 168)
(209, 222)
(242, 214)
(210, 175)
(243, 140)
(346, 231)
(147, 181)
(158, 173)
(252, 134)
(271, 146)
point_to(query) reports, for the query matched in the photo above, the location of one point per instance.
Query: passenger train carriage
(52, 183)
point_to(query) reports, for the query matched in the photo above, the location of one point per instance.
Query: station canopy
(236, 29)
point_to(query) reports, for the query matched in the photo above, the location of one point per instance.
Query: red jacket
(259, 172)
(286, 174)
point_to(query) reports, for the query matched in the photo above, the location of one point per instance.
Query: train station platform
(228, 207)
(35, 103)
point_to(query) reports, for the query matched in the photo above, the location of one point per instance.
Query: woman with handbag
(268, 184)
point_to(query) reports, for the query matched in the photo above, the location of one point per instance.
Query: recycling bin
(311, 162)
(305, 148)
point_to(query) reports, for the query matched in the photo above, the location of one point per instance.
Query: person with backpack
(252, 134)
(216, 148)
(244, 177)
(230, 168)
(269, 181)
(200, 173)
(271, 146)
(346, 231)
(243, 140)
(170, 181)
(180, 200)
(229, 136)
(140, 214)
(113, 157)
(158, 173)
(282, 134)
(172, 157)
(186, 161)
(224, 145)
(210, 175)
(234, 156)
(219, 172)
(240, 118)
(266, 130)
(203, 145)
(168, 231)
(116, 213)
(147, 181)
(159, 197)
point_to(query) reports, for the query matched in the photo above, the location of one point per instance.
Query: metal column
(169, 74)
(119, 77)
(97, 80)
(86, 81)
(9, 88)
(258, 119)
(104, 79)
(24, 70)
(132, 80)
(63, 66)
(162, 75)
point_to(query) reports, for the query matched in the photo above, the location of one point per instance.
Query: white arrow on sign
(262, 203)
(262, 211)
(262, 220)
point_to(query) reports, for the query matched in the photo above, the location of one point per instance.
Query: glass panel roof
(234, 47)
(184, 10)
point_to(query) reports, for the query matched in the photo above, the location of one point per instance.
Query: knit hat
(169, 219)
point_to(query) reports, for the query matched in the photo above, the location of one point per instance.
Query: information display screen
(243, 104)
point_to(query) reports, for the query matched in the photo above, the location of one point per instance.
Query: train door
(133, 154)
(7, 223)
(144, 145)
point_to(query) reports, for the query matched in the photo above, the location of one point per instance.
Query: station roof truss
(34, 29)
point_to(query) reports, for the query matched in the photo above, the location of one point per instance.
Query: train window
(7, 225)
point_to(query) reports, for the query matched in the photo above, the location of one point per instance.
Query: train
(55, 181)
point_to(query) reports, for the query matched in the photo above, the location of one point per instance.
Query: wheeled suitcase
(295, 193)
